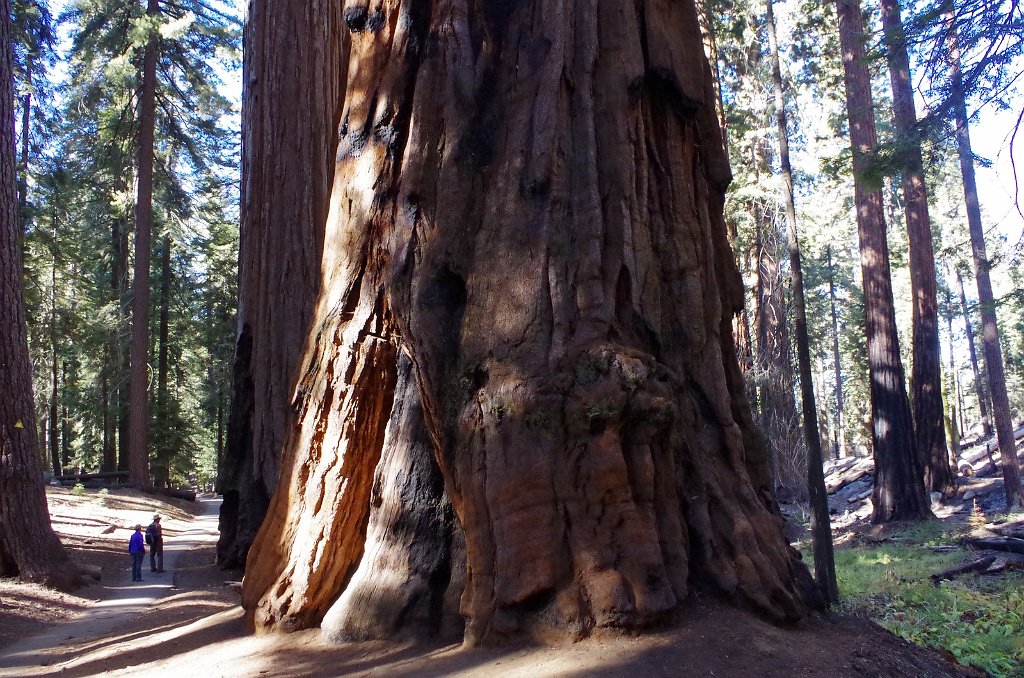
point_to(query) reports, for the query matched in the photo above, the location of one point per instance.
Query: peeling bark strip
(527, 202)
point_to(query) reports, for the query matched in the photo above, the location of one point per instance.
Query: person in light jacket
(137, 549)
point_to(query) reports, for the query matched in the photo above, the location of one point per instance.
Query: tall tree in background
(29, 547)
(510, 287)
(899, 492)
(989, 326)
(972, 351)
(839, 440)
(926, 373)
(100, 145)
(138, 407)
(821, 528)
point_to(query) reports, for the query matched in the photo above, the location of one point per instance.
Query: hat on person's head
(156, 516)
(138, 527)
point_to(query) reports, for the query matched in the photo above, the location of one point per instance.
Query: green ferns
(978, 618)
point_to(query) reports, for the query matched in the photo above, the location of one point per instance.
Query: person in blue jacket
(137, 549)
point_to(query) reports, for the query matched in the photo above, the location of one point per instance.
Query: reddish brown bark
(527, 204)
(138, 409)
(821, 528)
(28, 546)
(925, 373)
(989, 325)
(899, 492)
(290, 131)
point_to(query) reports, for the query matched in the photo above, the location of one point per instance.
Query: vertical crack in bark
(564, 313)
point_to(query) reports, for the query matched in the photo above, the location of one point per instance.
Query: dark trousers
(156, 557)
(137, 559)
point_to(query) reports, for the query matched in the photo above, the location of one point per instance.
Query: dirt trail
(192, 627)
(59, 646)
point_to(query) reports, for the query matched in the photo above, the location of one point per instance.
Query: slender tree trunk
(529, 212)
(65, 422)
(29, 547)
(821, 528)
(163, 454)
(980, 387)
(118, 362)
(54, 437)
(109, 460)
(899, 492)
(840, 437)
(952, 396)
(926, 373)
(138, 410)
(989, 326)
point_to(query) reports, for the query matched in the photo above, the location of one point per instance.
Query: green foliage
(78, 490)
(79, 243)
(979, 620)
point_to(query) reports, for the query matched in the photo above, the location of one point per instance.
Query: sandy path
(58, 648)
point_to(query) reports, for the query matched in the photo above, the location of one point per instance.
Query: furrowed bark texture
(29, 548)
(138, 408)
(899, 492)
(994, 367)
(289, 123)
(925, 372)
(528, 205)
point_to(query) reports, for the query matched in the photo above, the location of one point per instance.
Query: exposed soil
(198, 628)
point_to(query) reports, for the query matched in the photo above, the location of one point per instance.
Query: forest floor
(193, 625)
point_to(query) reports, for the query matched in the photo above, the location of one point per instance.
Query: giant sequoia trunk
(925, 373)
(899, 481)
(289, 126)
(526, 293)
(28, 546)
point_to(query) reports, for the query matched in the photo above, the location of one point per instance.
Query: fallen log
(973, 566)
(845, 479)
(1010, 544)
(190, 495)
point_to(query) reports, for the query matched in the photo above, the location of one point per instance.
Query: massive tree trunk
(527, 204)
(28, 546)
(821, 527)
(289, 129)
(979, 383)
(989, 325)
(138, 410)
(925, 373)
(899, 492)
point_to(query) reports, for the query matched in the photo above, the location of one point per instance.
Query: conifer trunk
(29, 548)
(979, 381)
(925, 373)
(54, 437)
(989, 326)
(840, 423)
(899, 492)
(138, 410)
(821, 527)
(527, 205)
(163, 454)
